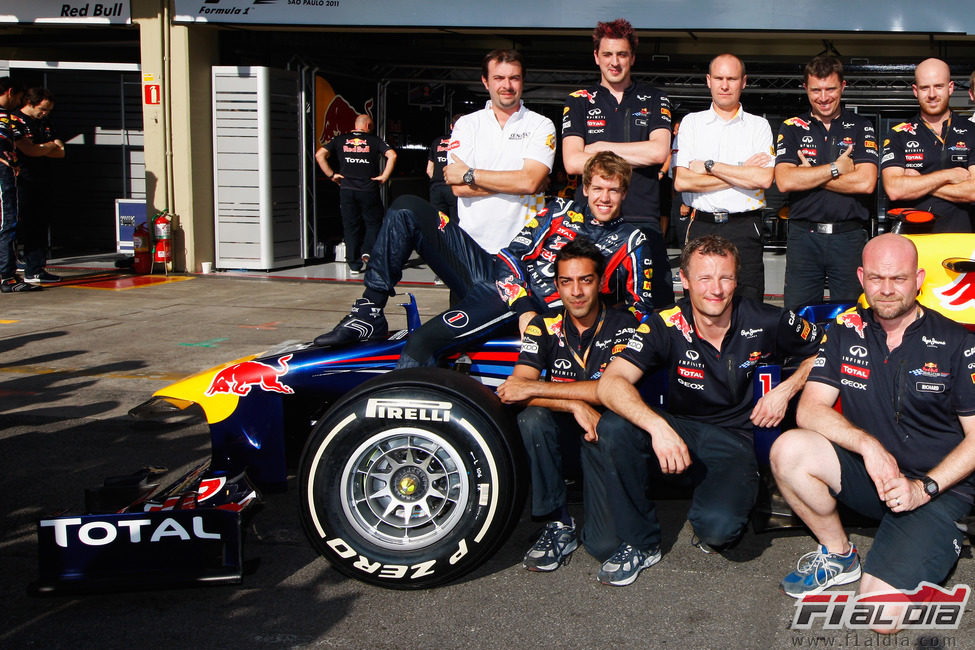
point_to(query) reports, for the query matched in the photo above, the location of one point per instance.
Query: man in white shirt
(723, 165)
(500, 157)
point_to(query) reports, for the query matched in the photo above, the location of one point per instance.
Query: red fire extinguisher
(162, 226)
(142, 262)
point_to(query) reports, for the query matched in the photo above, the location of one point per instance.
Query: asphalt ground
(74, 359)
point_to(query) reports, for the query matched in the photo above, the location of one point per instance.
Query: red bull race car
(406, 479)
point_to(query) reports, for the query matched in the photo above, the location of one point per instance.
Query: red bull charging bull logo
(509, 290)
(853, 320)
(676, 319)
(240, 377)
(797, 121)
(905, 127)
(584, 93)
(444, 220)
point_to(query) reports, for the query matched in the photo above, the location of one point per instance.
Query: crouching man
(709, 344)
(573, 349)
(903, 450)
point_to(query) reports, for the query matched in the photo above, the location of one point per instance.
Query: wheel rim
(405, 488)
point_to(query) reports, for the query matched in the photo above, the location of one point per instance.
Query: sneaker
(553, 548)
(365, 322)
(16, 285)
(704, 547)
(42, 278)
(626, 564)
(820, 570)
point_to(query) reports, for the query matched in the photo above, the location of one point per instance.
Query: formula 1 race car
(407, 478)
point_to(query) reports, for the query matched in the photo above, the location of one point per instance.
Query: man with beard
(928, 161)
(827, 160)
(573, 349)
(902, 451)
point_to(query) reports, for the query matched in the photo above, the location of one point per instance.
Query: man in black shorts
(573, 349)
(902, 451)
(710, 345)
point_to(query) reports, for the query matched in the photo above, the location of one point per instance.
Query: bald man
(723, 165)
(928, 161)
(358, 157)
(907, 465)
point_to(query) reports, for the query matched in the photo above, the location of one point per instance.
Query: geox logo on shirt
(420, 410)
(519, 136)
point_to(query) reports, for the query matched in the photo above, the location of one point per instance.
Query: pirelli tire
(413, 479)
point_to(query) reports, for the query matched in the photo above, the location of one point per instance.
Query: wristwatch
(708, 164)
(834, 171)
(469, 176)
(930, 486)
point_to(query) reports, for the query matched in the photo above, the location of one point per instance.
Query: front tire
(411, 480)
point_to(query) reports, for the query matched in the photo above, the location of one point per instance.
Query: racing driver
(517, 282)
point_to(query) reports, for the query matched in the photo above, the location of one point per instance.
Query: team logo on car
(240, 377)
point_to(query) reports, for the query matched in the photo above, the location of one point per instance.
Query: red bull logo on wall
(334, 115)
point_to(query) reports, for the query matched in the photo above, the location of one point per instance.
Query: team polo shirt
(554, 346)
(909, 398)
(438, 156)
(716, 386)
(913, 145)
(40, 131)
(358, 157)
(805, 134)
(12, 128)
(705, 136)
(594, 115)
(478, 140)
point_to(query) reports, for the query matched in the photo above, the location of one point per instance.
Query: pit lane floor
(73, 360)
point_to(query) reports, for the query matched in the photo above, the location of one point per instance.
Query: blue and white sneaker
(553, 548)
(820, 570)
(626, 564)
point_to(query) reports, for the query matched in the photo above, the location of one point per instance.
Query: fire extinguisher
(142, 261)
(162, 226)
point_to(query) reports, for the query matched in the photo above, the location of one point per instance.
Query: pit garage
(412, 70)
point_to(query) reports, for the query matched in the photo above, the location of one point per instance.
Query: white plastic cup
(206, 267)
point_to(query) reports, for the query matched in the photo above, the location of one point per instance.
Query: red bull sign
(239, 378)
(906, 127)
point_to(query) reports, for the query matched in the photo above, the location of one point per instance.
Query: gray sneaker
(553, 548)
(626, 564)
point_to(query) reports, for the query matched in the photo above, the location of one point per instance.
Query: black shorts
(909, 547)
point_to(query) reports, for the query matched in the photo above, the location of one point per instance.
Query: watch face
(931, 487)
